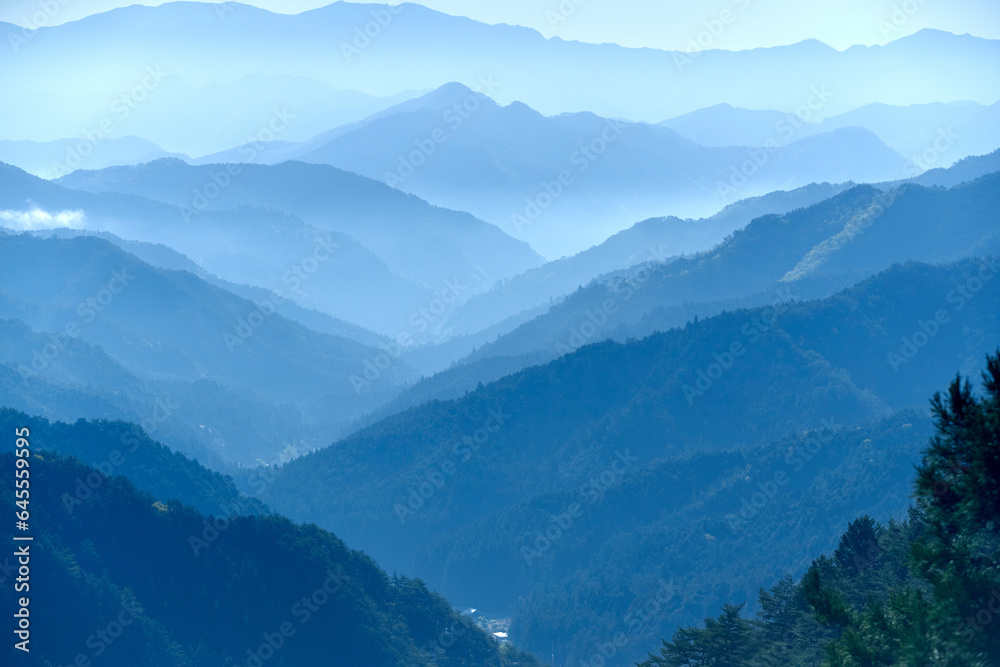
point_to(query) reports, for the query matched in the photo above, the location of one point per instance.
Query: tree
(958, 496)
(858, 546)
(950, 613)
(923, 592)
(726, 641)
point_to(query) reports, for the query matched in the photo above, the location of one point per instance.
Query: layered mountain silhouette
(508, 458)
(102, 324)
(655, 240)
(135, 578)
(591, 339)
(803, 253)
(48, 159)
(929, 135)
(267, 109)
(443, 252)
(414, 48)
(422, 243)
(566, 182)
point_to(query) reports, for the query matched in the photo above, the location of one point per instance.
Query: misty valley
(494, 335)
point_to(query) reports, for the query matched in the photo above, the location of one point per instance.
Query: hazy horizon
(560, 333)
(672, 26)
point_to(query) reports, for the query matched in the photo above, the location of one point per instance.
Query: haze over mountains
(419, 242)
(167, 338)
(959, 129)
(623, 408)
(449, 255)
(829, 245)
(190, 120)
(586, 179)
(573, 176)
(47, 159)
(351, 608)
(420, 49)
(464, 145)
(588, 341)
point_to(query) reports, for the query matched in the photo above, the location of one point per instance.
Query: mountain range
(319, 328)
(566, 182)
(166, 346)
(415, 48)
(135, 578)
(927, 135)
(426, 254)
(500, 464)
(804, 253)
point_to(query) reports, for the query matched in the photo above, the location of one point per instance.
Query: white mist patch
(37, 218)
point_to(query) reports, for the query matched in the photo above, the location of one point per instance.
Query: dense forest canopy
(924, 591)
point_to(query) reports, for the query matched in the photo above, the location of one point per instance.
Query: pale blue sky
(667, 24)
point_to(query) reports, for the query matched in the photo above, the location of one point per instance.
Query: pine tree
(958, 496)
(950, 614)
(726, 641)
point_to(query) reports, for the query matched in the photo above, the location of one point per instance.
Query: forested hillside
(119, 337)
(923, 591)
(493, 334)
(806, 253)
(451, 487)
(125, 449)
(134, 581)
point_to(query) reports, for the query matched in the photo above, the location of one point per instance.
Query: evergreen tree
(726, 641)
(950, 614)
(923, 592)
(958, 495)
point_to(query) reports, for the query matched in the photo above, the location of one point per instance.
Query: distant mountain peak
(934, 33)
(814, 43)
(167, 162)
(445, 97)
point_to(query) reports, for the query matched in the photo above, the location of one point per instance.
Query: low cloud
(37, 218)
